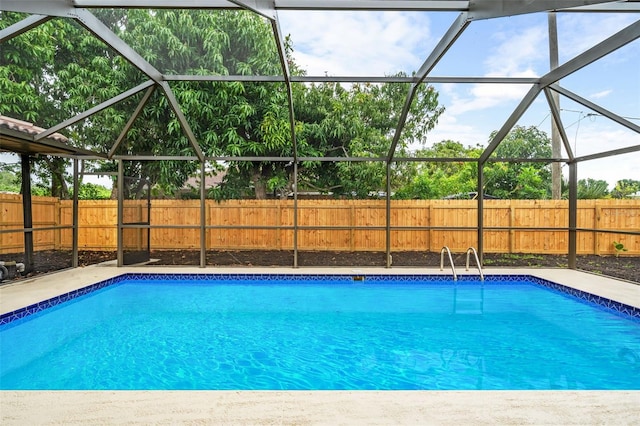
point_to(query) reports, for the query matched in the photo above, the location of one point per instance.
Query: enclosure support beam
(350, 79)
(186, 128)
(454, 31)
(557, 120)
(132, 119)
(499, 8)
(556, 170)
(27, 214)
(265, 8)
(511, 121)
(619, 151)
(22, 27)
(573, 214)
(616, 41)
(295, 214)
(104, 33)
(388, 217)
(74, 229)
(94, 110)
(284, 64)
(480, 212)
(203, 217)
(120, 189)
(597, 108)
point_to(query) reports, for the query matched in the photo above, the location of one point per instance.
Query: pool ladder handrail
(475, 255)
(453, 269)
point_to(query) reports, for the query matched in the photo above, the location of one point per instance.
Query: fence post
(352, 223)
(279, 222)
(596, 226)
(429, 224)
(57, 221)
(512, 232)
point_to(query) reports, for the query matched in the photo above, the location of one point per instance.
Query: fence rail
(511, 226)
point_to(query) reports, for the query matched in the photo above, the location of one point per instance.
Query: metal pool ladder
(453, 269)
(475, 255)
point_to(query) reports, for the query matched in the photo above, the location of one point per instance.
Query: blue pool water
(315, 333)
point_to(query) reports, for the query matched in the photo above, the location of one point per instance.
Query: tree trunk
(58, 183)
(260, 190)
(259, 183)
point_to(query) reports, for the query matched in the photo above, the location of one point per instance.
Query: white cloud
(518, 52)
(611, 169)
(363, 43)
(599, 134)
(515, 55)
(484, 96)
(601, 94)
(449, 128)
(579, 32)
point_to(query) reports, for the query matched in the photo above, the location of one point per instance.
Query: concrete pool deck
(308, 407)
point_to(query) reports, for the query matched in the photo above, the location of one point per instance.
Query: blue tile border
(603, 302)
(610, 305)
(49, 303)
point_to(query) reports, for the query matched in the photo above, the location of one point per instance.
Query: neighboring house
(193, 183)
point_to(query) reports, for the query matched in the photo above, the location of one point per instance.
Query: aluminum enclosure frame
(468, 11)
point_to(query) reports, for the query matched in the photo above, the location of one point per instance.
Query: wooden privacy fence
(511, 226)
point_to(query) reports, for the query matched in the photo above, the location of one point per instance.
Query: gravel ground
(623, 267)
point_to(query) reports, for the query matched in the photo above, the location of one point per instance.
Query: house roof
(20, 137)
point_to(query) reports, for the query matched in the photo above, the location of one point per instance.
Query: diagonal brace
(93, 110)
(454, 31)
(175, 106)
(22, 27)
(132, 119)
(511, 121)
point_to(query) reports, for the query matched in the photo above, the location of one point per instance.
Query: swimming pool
(246, 331)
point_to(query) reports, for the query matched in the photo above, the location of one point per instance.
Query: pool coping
(321, 408)
(313, 407)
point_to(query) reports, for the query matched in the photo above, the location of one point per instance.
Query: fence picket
(364, 221)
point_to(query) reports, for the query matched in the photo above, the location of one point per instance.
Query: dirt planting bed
(623, 267)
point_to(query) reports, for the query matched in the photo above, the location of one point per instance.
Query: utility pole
(556, 170)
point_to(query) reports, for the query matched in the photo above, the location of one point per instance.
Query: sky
(384, 43)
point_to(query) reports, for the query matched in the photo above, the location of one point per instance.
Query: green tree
(430, 180)
(27, 79)
(358, 122)
(77, 71)
(92, 191)
(9, 179)
(625, 188)
(591, 189)
(520, 179)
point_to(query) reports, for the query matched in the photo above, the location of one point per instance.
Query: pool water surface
(246, 332)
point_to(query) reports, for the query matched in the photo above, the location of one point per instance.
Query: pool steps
(453, 268)
(470, 251)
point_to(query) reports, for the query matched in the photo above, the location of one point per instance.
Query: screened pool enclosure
(172, 76)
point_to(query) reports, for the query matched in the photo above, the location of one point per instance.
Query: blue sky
(383, 43)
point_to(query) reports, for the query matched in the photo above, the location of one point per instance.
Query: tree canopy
(58, 70)
(227, 118)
